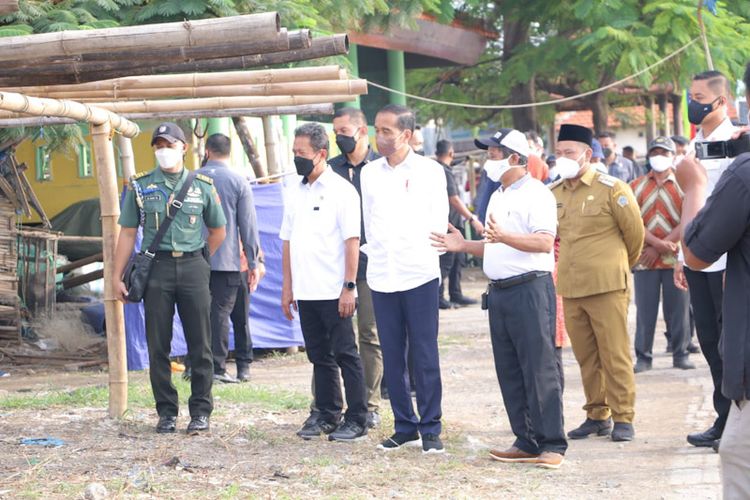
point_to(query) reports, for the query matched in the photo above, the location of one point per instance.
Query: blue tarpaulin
(268, 327)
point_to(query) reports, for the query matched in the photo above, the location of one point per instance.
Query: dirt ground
(252, 450)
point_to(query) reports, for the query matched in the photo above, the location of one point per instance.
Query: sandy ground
(253, 452)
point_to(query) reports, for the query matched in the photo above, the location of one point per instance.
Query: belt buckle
(177, 254)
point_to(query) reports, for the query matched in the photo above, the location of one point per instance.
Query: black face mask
(606, 152)
(346, 143)
(303, 165)
(697, 112)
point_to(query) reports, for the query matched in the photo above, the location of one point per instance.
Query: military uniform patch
(607, 180)
(622, 200)
(204, 178)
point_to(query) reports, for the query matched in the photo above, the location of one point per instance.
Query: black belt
(518, 280)
(178, 255)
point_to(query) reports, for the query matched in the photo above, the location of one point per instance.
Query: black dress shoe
(243, 373)
(167, 424)
(444, 304)
(642, 366)
(693, 349)
(623, 432)
(704, 439)
(198, 424)
(716, 444)
(373, 419)
(683, 364)
(598, 427)
(463, 301)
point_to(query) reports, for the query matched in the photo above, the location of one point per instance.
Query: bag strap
(177, 205)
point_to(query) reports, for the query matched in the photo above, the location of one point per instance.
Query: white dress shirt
(527, 206)
(401, 206)
(714, 169)
(318, 219)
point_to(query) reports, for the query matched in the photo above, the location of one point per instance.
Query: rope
(542, 103)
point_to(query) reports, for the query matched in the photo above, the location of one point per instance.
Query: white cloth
(714, 169)
(318, 219)
(527, 207)
(401, 206)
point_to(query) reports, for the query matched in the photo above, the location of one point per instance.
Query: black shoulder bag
(138, 269)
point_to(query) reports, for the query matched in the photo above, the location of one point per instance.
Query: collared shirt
(185, 233)
(239, 210)
(318, 219)
(714, 169)
(722, 226)
(601, 234)
(661, 210)
(342, 166)
(622, 168)
(452, 189)
(402, 205)
(527, 206)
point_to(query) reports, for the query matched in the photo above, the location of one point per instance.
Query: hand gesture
(287, 302)
(452, 241)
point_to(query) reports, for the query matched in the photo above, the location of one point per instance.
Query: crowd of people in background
(562, 238)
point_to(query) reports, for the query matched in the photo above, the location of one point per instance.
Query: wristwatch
(350, 285)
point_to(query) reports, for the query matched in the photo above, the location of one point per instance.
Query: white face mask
(567, 168)
(660, 163)
(168, 157)
(496, 169)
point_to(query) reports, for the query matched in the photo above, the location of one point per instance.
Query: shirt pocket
(154, 207)
(188, 225)
(593, 210)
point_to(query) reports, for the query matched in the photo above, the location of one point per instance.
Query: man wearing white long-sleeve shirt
(404, 200)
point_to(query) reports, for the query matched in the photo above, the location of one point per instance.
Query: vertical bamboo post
(272, 160)
(243, 132)
(109, 200)
(127, 160)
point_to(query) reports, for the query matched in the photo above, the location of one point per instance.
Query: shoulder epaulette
(204, 178)
(607, 180)
(556, 183)
(139, 175)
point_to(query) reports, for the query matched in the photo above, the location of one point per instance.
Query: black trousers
(522, 328)
(450, 268)
(224, 289)
(243, 342)
(330, 345)
(706, 295)
(649, 286)
(180, 281)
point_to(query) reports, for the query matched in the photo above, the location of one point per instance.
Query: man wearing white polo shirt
(404, 200)
(320, 234)
(519, 259)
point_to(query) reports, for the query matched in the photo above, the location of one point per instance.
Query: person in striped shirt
(660, 200)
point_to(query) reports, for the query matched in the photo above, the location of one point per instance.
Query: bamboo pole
(321, 47)
(265, 76)
(11, 101)
(109, 200)
(132, 61)
(127, 159)
(324, 87)
(243, 132)
(307, 109)
(272, 161)
(187, 33)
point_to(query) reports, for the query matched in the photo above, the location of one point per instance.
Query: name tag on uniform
(315, 209)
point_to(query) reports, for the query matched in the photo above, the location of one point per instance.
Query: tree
(574, 46)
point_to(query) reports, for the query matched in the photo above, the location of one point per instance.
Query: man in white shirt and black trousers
(518, 257)
(320, 234)
(404, 200)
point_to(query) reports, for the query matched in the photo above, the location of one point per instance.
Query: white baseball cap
(506, 137)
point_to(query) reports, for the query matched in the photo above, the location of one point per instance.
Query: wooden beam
(179, 34)
(65, 268)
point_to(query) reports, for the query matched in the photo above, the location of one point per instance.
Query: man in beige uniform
(601, 236)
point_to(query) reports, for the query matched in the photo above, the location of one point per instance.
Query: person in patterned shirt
(660, 199)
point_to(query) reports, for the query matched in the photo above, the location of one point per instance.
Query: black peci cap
(575, 133)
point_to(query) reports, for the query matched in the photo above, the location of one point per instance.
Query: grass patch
(140, 396)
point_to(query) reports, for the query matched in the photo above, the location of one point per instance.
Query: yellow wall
(66, 187)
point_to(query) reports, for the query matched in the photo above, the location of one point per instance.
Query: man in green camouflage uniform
(179, 275)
